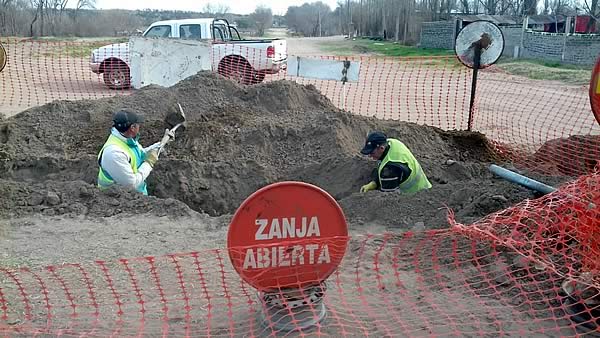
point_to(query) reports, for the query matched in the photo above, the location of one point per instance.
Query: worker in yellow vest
(122, 159)
(397, 168)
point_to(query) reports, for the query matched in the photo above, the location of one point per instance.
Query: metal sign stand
(471, 42)
(289, 272)
(476, 65)
(293, 309)
(344, 80)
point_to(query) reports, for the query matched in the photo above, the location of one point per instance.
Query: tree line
(36, 18)
(402, 19)
(398, 20)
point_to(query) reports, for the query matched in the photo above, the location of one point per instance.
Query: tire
(258, 77)
(237, 69)
(116, 74)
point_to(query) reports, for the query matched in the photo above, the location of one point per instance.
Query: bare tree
(6, 11)
(593, 11)
(263, 18)
(81, 4)
(560, 7)
(316, 19)
(38, 9)
(217, 10)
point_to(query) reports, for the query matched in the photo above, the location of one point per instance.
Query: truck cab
(200, 29)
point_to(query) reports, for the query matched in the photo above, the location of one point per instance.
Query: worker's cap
(123, 119)
(374, 140)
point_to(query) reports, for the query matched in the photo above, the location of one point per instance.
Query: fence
(538, 124)
(503, 275)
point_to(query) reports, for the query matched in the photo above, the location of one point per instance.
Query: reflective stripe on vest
(104, 179)
(398, 152)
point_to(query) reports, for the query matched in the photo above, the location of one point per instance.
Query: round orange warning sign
(595, 90)
(287, 235)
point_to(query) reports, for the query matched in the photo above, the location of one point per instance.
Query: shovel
(178, 120)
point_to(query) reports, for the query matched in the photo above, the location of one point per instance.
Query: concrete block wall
(439, 34)
(512, 38)
(582, 49)
(543, 46)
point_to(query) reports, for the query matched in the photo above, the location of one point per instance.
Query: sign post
(285, 240)
(478, 45)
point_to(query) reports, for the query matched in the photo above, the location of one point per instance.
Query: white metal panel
(165, 62)
(322, 69)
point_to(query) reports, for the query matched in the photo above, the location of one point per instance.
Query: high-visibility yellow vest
(399, 152)
(104, 179)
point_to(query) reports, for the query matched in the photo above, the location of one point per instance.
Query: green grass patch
(544, 70)
(75, 49)
(384, 48)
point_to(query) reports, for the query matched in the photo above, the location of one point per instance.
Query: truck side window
(159, 32)
(190, 32)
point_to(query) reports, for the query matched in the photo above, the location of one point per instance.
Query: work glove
(168, 136)
(368, 187)
(152, 157)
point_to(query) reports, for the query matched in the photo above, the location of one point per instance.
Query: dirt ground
(237, 140)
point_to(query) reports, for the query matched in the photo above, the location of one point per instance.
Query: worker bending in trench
(122, 159)
(397, 168)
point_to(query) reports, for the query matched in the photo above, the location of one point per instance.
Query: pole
(348, 23)
(476, 64)
(521, 180)
(344, 80)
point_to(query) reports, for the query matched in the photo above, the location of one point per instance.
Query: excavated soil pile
(237, 140)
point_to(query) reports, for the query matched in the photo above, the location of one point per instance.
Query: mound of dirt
(78, 198)
(236, 140)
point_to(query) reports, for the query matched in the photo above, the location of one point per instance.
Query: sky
(279, 7)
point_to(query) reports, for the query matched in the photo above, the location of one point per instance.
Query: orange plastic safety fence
(41, 71)
(528, 270)
(546, 126)
(413, 284)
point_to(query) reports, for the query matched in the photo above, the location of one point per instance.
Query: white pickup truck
(245, 61)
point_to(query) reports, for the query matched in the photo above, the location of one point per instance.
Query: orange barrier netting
(547, 126)
(504, 275)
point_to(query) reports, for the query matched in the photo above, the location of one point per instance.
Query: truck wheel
(116, 75)
(258, 77)
(237, 69)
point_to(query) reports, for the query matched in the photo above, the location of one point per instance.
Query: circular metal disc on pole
(287, 235)
(484, 35)
(3, 57)
(595, 91)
